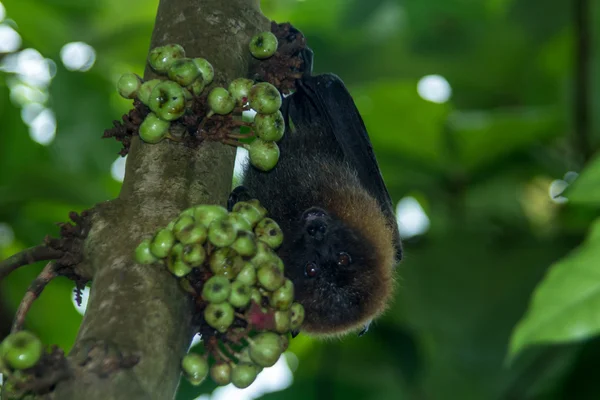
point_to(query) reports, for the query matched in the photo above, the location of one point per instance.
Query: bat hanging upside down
(327, 194)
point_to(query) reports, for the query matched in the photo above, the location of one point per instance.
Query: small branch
(34, 291)
(241, 135)
(26, 257)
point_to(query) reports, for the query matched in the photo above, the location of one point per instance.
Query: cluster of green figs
(236, 249)
(182, 78)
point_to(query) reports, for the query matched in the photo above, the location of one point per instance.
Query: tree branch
(26, 257)
(139, 308)
(33, 292)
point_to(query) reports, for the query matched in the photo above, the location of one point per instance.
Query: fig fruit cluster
(246, 299)
(183, 78)
(268, 125)
(168, 98)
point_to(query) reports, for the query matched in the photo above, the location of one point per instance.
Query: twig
(34, 291)
(26, 257)
(241, 135)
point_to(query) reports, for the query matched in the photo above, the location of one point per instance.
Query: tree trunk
(138, 311)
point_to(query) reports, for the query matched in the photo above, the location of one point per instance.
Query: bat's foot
(364, 330)
(238, 194)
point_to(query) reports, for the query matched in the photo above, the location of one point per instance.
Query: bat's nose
(317, 229)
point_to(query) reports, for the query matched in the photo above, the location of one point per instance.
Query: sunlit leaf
(565, 305)
(586, 188)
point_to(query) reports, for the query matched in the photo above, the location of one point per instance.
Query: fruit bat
(341, 241)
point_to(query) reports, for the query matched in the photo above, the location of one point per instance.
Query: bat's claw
(364, 330)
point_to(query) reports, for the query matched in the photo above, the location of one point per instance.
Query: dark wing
(330, 102)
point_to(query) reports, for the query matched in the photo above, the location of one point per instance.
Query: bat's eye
(344, 259)
(311, 269)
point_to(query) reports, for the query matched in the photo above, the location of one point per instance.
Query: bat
(341, 240)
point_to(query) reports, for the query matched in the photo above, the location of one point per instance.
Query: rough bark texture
(140, 310)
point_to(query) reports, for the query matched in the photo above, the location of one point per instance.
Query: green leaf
(565, 304)
(586, 188)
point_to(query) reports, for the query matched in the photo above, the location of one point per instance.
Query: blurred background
(481, 113)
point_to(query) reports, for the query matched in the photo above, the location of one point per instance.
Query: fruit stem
(33, 292)
(241, 135)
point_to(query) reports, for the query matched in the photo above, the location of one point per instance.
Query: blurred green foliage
(481, 165)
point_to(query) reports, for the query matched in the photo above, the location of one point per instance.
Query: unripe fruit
(143, 93)
(162, 57)
(221, 373)
(175, 263)
(263, 254)
(247, 275)
(240, 294)
(222, 233)
(182, 223)
(268, 231)
(143, 255)
(195, 233)
(263, 45)
(198, 86)
(220, 101)
(167, 100)
(193, 254)
(153, 129)
(245, 244)
(285, 342)
(184, 71)
(264, 98)
(265, 349)
(282, 321)
(128, 85)
(195, 368)
(207, 213)
(187, 286)
(240, 89)
(249, 211)
(239, 221)
(206, 69)
(263, 155)
(258, 206)
(188, 95)
(21, 350)
(282, 298)
(243, 375)
(269, 127)
(270, 277)
(162, 243)
(256, 296)
(219, 315)
(226, 262)
(297, 315)
(216, 290)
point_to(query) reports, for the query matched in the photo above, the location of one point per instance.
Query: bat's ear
(307, 56)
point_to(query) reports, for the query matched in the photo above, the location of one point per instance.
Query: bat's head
(340, 274)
